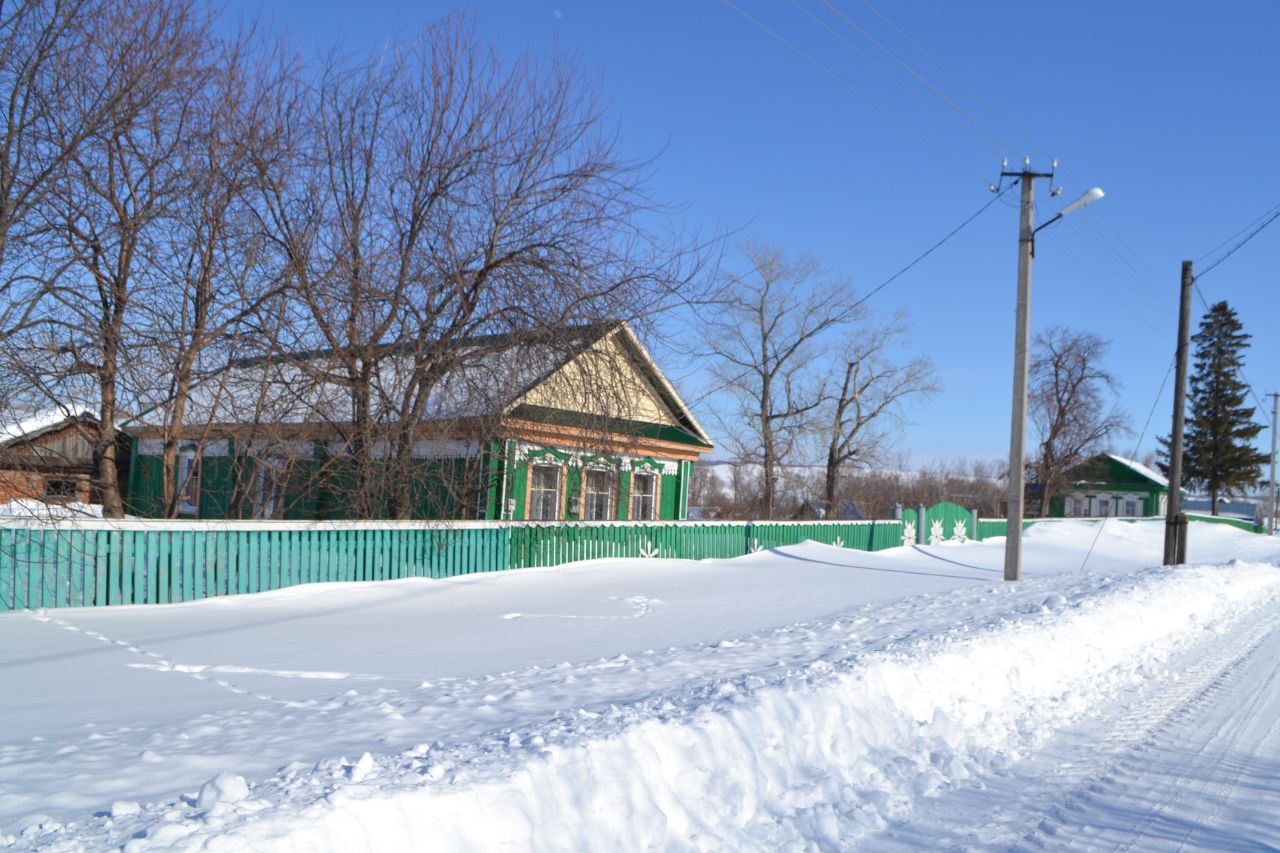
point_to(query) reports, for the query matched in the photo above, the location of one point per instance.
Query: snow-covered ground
(806, 698)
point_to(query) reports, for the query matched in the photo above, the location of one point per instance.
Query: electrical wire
(890, 114)
(913, 91)
(926, 253)
(1275, 214)
(1137, 446)
(916, 74)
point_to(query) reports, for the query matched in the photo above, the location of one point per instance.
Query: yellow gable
(602, 380)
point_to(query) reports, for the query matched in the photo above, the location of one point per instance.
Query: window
(599, 495)
(270, 484)
(544, 492)
(1075, 507)
(1104, 507)
(61, 490)
(1130, 507)
(644, 490)
(188, 482)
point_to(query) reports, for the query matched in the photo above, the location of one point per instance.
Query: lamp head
(1089, 197)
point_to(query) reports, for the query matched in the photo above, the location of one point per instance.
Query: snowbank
(814, 732)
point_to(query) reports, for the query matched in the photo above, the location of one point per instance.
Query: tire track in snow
(1151, 717)
(1063, 779)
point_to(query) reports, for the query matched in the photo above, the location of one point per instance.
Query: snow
(38, 509)
(808, 697)
(1152, 475)
(34, 424)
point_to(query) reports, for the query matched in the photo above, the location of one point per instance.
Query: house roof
(40, 423)
(1139, 468)
(496, 377)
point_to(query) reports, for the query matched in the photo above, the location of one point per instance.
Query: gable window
(644, 493)
(544, 492)
(188, 482)
(599, 488)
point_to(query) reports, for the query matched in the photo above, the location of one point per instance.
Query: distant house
(49, 457)
(585, 428)
(1111, 485)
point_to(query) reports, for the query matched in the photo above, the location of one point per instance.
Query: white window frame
(637, 496)
(591, 499)
(537, 496)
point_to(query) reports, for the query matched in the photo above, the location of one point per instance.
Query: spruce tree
(1218, 453)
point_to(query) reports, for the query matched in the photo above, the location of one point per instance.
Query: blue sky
(1170, 107)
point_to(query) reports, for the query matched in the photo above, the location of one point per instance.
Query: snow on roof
(1139, 468)
(33, 425)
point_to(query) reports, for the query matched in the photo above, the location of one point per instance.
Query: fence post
(920, 534)
(746, 546)
(973, 520)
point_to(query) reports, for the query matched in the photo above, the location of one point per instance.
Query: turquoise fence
(96, 563)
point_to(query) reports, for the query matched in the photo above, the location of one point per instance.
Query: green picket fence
(94, 563)
(86, 563)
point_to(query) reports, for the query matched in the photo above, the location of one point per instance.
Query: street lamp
(1021, 346)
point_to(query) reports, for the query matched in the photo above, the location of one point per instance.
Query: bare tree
(41, 45)
(217, 276)
(772, 323)
(866, 399)
(120, 182)
(442, 208)
(1070, 405)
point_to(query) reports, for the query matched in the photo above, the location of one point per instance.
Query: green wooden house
(1111, 485)
(585, 429)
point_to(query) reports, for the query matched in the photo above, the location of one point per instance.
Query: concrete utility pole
(1275, 417)
(1021, 347)
(1175, 524)
(1021, 344)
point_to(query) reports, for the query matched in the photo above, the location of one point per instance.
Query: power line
(931, 249)
(1234, 236)
(852, 88)
(895, 78)
(1275, 214)
(912, 71)
(926, 253)
(1136, 447)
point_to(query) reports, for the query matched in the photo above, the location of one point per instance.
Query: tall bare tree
(866, 397)
(773, 322)
(41, 45)
(1071, 405)
(438, 199)
(121, 181)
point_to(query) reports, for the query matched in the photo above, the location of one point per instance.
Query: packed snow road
(809, 698)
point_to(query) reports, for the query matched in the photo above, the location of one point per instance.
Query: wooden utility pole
(1271, 505)
(1175, 524)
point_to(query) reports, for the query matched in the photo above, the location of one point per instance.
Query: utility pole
(1021, 347)
(1021, 344)
(1175, 524)
(1275, 417)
